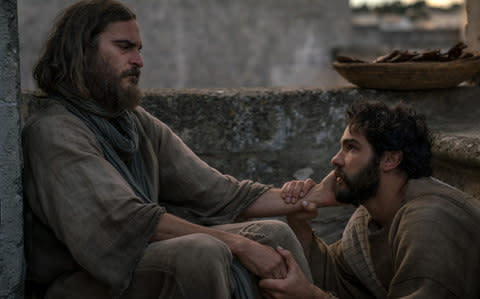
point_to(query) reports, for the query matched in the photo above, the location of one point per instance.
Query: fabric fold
(356, 250)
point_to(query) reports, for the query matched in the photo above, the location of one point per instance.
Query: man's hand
(295, 285)
(309, 211)
(294, 190)
(322, 194)
(261, 260)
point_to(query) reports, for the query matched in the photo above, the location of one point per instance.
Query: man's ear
(390, 160)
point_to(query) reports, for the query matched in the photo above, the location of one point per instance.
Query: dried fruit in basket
(399, 56)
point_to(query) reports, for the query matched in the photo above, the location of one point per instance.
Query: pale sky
(441, 3)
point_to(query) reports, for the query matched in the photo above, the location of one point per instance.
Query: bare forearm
(270, 204)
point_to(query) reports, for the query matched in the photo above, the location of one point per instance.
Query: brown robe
(81, 213)
(430, 250)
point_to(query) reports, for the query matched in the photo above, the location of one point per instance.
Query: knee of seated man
(202, 246)
(271, 232)
(202, 254)
(187, 262)
(189, 253)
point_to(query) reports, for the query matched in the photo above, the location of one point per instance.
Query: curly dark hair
(396, 128)
(76, 31)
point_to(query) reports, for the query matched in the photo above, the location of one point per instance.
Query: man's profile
(412, 236)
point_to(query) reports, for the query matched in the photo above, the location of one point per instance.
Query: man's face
(114, 70)
(356, 169)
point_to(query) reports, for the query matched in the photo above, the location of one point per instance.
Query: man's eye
(350, 147)
(123, 46)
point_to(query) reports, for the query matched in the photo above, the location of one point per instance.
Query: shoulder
(436, 223)
(439, 218)
(429, 199)
(56, 126)
(51, 119)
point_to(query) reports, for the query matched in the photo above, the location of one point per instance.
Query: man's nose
(337, 160)
(136, 59)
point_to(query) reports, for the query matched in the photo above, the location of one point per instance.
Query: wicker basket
(409, 75)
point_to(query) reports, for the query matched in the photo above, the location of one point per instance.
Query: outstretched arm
(271, 204)
(322, 194)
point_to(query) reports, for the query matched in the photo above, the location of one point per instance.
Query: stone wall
(218, 43)
(11, 216)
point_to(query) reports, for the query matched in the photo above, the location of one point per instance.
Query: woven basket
(409, 75)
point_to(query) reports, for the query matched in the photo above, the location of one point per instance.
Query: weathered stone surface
(457, 161)
(264, 134)
(463, 149)
(11, 206)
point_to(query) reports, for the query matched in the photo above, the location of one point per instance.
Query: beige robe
(430, 250)
(81, 213)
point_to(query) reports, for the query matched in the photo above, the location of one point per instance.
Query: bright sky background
(441, 3)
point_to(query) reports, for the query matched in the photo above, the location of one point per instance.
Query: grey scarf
(117, 135)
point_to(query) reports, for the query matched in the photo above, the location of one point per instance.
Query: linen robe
(431, 249)
(82, 214)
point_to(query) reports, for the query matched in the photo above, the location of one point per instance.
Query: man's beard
(360, 187)
(105, 86)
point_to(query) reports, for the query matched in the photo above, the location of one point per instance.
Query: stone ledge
(464, 150)
(457, 161)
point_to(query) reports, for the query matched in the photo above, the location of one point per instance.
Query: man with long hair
(411, 236)
(116, 204)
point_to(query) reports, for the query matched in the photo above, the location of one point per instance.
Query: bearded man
(411, 236)
(117, 205)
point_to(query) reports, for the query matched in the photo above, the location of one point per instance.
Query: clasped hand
(262, 260)
(313, 195)
(294, 285)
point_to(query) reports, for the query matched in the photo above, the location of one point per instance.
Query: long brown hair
(63, 63)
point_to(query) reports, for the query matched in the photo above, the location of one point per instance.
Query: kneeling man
(412, 236)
